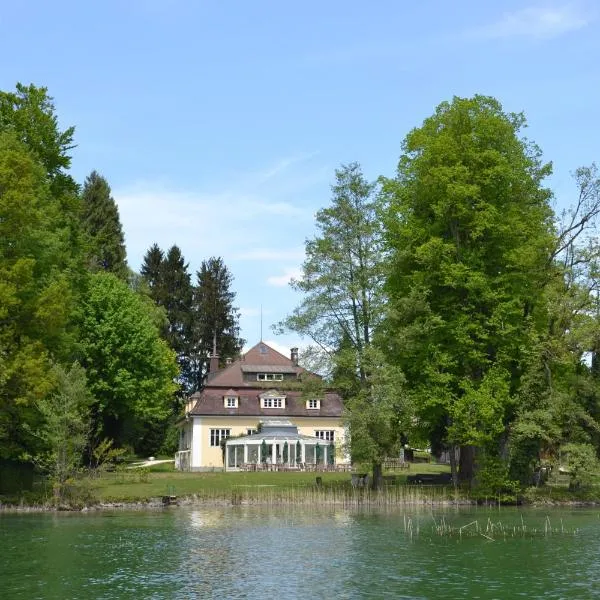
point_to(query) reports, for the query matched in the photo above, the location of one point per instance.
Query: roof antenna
(261, 323)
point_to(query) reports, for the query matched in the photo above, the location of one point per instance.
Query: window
(272, 403)
(326, 435)
(269, 376)
(216, 435)
(231, 402)
(251, 431)
(313, 404)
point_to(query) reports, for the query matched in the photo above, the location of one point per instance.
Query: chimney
(214, 357)
(294, 356)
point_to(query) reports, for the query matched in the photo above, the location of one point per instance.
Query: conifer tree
(216, 320)
(102, 225)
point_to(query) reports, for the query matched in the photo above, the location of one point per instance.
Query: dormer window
(272, 399)
(313, 404)
(273, 402)
(231, 401)
(269, 376)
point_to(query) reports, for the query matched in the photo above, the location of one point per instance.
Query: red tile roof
(230, 381)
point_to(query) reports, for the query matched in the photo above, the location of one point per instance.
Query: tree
(102, 226)
(131, 370)
(470, 231)
(559, 401)
(216, 320)
(37, 297)
(170, 287)
(342, 280)
(28, 113)
(152, 272)
(64, 426)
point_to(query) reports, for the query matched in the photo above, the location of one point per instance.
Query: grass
(161, 480)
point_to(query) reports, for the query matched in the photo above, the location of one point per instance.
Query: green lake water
(252, 552)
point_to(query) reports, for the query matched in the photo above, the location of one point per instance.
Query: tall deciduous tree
(29, 114)
(131, 371)
(471, 234)
(102, 225)
(342, 279)
(216, 319)
(36, 295)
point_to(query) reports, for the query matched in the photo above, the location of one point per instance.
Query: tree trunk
(453, 465)
(377, 482)
(466, 470)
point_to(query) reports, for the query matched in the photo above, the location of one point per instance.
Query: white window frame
(272, 402)
(230, 401)
(269, 377)
(327, 435)
(251, 431)
(313, 404)
(218, 434)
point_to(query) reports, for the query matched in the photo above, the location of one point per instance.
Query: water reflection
(251, 552)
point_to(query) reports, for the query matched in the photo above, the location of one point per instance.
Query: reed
(342, 496)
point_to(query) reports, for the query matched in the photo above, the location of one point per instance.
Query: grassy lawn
(162, 480)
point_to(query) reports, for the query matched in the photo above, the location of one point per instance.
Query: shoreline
(157, 503)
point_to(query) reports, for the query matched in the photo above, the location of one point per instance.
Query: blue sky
(219, 124)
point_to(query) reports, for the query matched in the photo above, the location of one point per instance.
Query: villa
(257, 404)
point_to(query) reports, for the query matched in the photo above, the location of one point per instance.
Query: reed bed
(491, 530)
(343, 496)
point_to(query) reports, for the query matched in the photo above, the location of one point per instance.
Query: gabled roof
(230, 382)
(261, 358)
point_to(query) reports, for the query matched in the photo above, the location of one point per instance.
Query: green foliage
(493, 480)
(216, 320)
(131, 371)
(36, 296)
(29, 114)
(105, 455)
(64, 426)
(343, 272)
(379, 413)
(582, 464)
(102, 226)
(470, 231)
(170, 287)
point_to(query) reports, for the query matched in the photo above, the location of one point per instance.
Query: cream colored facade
(197, 433)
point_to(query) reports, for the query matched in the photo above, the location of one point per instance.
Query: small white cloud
(537, 22)
(284, 279)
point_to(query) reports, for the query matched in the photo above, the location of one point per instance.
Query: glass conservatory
(278, 447)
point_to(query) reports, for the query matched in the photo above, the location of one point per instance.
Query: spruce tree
(216, 320)
(151, 271)
(101, 223)
(171, 288)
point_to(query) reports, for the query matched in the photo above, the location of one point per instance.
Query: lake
(255, 552)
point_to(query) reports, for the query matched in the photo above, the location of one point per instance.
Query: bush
(493, 480)
(582, 464)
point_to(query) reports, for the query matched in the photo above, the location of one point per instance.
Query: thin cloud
(283, 165)
(284, 279)
(537, 22)
(234, 219)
